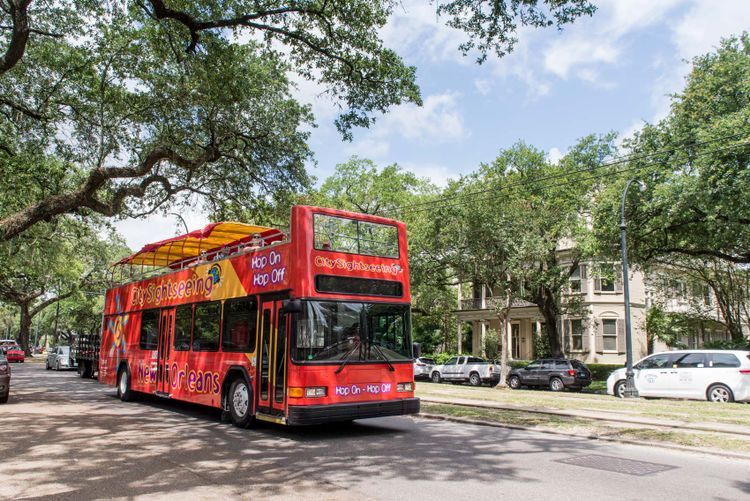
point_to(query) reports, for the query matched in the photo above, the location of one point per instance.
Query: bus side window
(206, 326)
(183, 325)
(239, 325)
(149, 329)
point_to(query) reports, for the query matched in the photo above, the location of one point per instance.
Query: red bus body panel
(288, 268)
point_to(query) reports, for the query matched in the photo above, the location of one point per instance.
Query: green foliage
(493, 341)
(541, 345)
(743, 344)
(696, 166)
(126, 108)
(665, 326)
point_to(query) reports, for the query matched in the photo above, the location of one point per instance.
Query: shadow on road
(76, 440)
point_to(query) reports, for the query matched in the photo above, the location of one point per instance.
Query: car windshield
(330, 331)
(427, 360)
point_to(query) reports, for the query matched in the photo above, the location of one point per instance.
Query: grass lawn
(678, 410)
(590, 427)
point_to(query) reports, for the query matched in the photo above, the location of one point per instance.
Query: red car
(14, 354)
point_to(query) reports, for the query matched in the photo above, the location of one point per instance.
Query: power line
(438, 203)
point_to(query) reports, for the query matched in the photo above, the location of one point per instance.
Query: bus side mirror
(416, 349)
(291, 306)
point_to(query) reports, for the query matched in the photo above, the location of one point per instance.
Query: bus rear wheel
(239, 401)
(124, 391)
(84, 368)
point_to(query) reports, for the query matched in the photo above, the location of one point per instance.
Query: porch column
(459, 337)
(509, 338)
(483, 332)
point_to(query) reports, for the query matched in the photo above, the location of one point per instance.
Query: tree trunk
(545, 300)
(25, 326)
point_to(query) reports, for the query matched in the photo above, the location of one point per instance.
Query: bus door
(166, 326)
(271, 388)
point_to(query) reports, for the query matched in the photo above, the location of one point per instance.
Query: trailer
(87, 354)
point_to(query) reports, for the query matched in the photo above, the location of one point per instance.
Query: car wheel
(556, 384)
(46, 365)
(619, 389)
(239, 400)
(57, 365)
(435, 377)
(124, 390)
(719, 393)
(474, 379)
(85, 369)
(514, 382)
(4, 398)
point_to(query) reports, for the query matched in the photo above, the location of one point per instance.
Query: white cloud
(415, 31)
(374, 148)
(439, 119)
(483, 85)
(699, 30)
(589, 43)
(561, 56)
(435, 173)
(554, 155)
(139, 232)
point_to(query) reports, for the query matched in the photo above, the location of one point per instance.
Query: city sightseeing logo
(116, 327)
(169, 290)
(357, 265)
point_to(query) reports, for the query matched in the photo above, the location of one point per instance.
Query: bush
(727, 345)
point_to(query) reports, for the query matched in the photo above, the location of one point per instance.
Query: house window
(608, 285)
(576, 332)
(609, 327)
(575, 280)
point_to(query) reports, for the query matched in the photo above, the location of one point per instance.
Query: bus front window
(330, 331)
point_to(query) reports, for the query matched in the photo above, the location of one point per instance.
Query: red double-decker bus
(296, 328)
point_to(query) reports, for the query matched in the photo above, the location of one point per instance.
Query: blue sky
(610, 72)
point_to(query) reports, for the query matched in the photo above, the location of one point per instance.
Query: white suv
(714, 375)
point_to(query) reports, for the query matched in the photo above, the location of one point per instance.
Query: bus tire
(85, 370)
(124, 389)
(239, 401)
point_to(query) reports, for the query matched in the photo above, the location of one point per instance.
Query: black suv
(554, 373)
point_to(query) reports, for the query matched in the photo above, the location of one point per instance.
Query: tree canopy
(124, 108)
(696, 167)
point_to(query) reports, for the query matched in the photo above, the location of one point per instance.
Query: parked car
(713, 375)
(59, 357)
(14, 353)
(473, 370)
(556, 374)
(4, 379)
(423, 367)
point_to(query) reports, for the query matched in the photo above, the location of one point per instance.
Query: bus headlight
(405, 387)
(315, 392)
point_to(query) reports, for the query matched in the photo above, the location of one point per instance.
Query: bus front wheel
(239, 401)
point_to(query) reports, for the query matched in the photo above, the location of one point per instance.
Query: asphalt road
(67, 438)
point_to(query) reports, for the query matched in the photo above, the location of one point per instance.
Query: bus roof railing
(213, 242)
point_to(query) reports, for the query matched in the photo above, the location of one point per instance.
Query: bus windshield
(330, 331)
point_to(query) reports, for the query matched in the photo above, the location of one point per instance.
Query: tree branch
(19, 37)
(86, 195)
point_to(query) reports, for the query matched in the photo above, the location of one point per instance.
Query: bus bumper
(318, 414)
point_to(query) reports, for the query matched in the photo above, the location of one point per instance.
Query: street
(68, 438)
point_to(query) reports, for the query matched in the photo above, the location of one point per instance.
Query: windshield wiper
(346, 357)
(382, 354)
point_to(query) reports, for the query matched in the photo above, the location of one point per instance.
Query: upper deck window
(341, 234)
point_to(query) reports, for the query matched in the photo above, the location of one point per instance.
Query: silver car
(423, 367)
(59, 357)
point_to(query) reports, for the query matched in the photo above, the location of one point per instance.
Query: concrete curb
(666, 445)
(594, 416)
